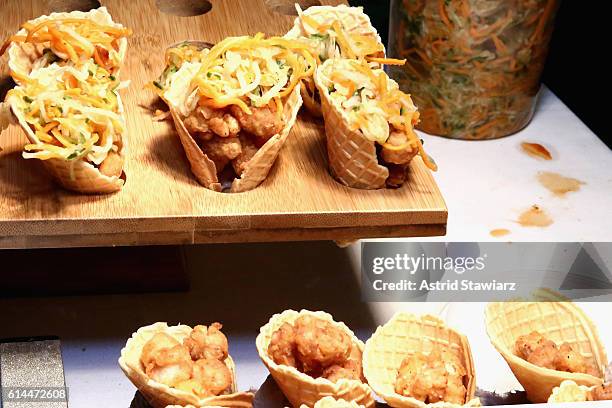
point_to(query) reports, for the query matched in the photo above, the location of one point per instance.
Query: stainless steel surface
(30, 366)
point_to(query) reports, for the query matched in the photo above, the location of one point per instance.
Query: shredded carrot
(49, 126)
(501, 47)
(343, 40)
(443, 14)
(387, 61)
(97, 58)
(550, 4)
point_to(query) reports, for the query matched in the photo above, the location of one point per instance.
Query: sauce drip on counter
(499, 232)
(535, 217)
(536, 150)
(557, 184)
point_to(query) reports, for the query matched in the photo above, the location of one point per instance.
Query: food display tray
(161, 202)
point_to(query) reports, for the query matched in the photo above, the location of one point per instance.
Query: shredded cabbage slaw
(243, 71)
(69, 98)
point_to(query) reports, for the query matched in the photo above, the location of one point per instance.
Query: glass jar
(472, 67)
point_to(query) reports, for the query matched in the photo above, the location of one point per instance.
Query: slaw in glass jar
(473, 67)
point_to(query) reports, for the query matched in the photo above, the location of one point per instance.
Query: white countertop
(487, 184)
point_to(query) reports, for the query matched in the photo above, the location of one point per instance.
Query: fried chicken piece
(165, 360)
(408, 374)
(455, 388)
(158, 342)
(397, 175)
(402, 153)
(543, 352)
(569, 360)
(351, 369)
(432, 378)
(601, 393)
(225, 126)
(112, 165)
(525, 345)
(213, 375)
(196, 122)
(204, 136)
(221, 150)
(207, 342)
(207, 120)
(193, 387)
(544, 356)
(262, 123)
(249, 148)
(420, 379)
(282, 348)
(320, 344)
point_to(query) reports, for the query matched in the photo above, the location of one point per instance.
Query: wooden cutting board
(162, 203)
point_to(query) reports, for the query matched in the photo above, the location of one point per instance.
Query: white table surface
(487, 184)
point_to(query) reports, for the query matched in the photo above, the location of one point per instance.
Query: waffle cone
(404, 335)
(256, 169)
(160, 395)
(331, 402)
(79, 176)
(202, 167)
(302, 389)
(352, 157)
(340, 12)
(557, 319)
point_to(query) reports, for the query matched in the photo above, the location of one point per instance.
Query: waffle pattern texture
(352, 157)
(404, 335)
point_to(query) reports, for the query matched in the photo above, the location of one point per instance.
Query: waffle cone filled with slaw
(369, 125)
(299, 387)
(555, 319)
(234, 105)
(161, 395)
(405, 336)
(335, 32)
(66, 67)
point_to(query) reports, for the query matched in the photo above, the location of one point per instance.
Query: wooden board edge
(221, 236)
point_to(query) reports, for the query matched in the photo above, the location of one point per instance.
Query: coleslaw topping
(74, 112)
(242, 71)
(73, 41)
(339, 32)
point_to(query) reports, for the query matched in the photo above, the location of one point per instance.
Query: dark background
(576, 63)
